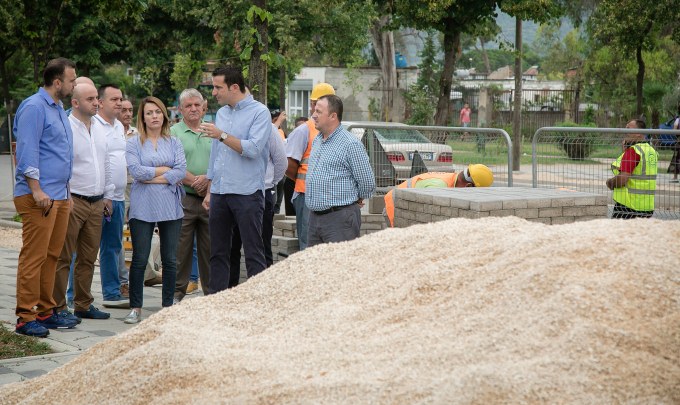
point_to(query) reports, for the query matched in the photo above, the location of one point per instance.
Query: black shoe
(92, 313)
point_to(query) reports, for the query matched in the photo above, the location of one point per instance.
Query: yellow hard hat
(321, 89)
(481, 175)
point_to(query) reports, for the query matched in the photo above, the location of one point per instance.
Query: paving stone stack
(548, 206)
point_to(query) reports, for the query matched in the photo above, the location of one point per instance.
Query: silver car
(400, 143)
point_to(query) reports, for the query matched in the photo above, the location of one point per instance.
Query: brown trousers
(43, 238)
(194, 223)
(82, 237)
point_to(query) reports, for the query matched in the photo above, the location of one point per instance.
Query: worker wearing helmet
(298, 149)
(475, 175)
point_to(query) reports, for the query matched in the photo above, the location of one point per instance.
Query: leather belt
(332, 209)
(91, 200)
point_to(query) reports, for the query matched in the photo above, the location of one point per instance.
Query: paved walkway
(67, 343)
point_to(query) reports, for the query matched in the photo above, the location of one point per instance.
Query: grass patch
(13, 345)
(17, 218)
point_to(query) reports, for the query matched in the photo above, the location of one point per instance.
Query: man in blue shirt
(339, 178)
(41, 196)
(236, 170)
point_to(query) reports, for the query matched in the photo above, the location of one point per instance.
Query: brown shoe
(125, 290)
(153, 281)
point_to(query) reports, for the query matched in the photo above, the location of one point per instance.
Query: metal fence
(580, 159)
(398, 152)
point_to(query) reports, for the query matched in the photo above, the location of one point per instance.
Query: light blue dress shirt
(156, 202)
(339, 171)
(233, 173)
(44, 146)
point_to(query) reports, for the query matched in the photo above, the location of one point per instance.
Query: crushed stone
(461, 311)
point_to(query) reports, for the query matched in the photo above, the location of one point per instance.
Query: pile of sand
(463, 311)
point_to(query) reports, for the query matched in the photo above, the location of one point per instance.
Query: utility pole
(517, 103)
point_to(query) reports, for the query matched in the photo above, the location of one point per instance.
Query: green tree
(451, 18)
(422, 95)
(631, 27)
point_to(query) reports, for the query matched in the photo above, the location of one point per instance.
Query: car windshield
(398, 135)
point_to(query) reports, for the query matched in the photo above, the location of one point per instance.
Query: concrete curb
(10, 224)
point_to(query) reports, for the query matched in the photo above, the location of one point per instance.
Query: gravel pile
(462, 311)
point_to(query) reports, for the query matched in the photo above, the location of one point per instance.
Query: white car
(400, 143)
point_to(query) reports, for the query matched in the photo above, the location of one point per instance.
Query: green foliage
(422, 95)
(185, 72)
(577, 145)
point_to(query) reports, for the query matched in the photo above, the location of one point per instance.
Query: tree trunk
(451, 45)
(517, 103)
(639, 80)
(7, 97)
(383, 43)
(258, 67)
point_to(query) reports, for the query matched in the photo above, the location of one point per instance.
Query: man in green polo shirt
(195, 222)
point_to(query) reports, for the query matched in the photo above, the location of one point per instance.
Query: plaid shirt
(339, 171)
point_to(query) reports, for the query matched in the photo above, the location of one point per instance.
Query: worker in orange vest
(298, 148)
(476, 175)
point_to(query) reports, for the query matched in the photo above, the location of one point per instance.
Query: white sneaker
(134, 316)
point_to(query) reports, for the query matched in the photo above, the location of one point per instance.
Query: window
(298, 103)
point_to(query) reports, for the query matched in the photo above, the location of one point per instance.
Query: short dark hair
(298, 120)
(55, 70)
(334, 104)
(232, 75)
(103, 87)
(639, 123)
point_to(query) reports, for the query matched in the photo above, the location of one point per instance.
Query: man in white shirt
(91, 191)
(106, 124)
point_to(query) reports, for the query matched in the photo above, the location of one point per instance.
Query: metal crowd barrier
(392, 150)
(580, 159)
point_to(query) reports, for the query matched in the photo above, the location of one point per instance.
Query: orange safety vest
(449, 178)
(304, 163)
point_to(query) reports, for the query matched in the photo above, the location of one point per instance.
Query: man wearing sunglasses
(476, 175)
(41, 196)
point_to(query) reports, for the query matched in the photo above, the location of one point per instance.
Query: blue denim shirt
(233, 173)
(44, 146)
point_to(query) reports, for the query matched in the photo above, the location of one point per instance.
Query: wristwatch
(223, 136)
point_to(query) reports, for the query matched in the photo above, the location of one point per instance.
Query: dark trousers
(267, 231)
(279, 195)
(194, 225)
(141, 233)
(337, 226)
(288, 190)
(226, 212)
(623, 212)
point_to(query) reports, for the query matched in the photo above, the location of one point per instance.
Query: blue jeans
(69, 290)
(141, 233)
(110, 249)
(301, 219)
(194, 265)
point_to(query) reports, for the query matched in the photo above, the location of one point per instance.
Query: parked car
(400, 142)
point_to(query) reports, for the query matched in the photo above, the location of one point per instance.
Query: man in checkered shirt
(339, 177)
